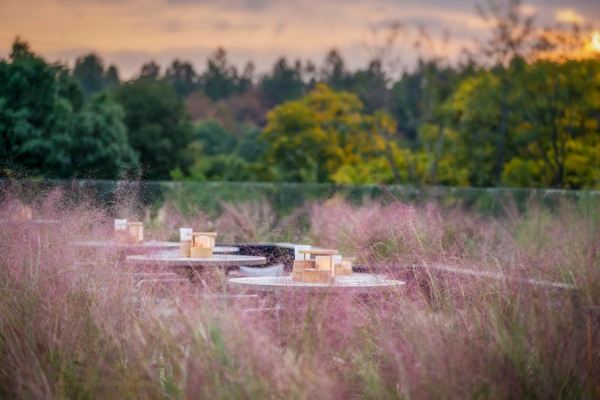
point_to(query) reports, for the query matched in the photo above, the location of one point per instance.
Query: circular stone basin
(361, 283)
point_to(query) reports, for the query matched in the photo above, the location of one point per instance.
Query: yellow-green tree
(473, 140)
(557, 130)
(325, 136)
(552, 137)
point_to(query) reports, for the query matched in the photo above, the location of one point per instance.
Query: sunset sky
(131, 32)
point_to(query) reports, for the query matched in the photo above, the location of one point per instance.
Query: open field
(75, 326)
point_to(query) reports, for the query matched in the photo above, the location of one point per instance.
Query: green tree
(282, 84)
(90, 73)
(511, 40)
(250, 147)
(111, 77)
(227, 167)
(150, 70)
(214, 139)
(246, 80)
(371, 86)
(333, 71)
(48, 129)
(418, 95)
(70, 89)
(419, 102)
(220, 155)
(183, 77)
(35, 119)
(551, 137)
(473, 120)
(557, 124)
(158, 125)
(220, 79)
(100, 146)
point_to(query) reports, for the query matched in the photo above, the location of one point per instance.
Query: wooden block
(211, 234)
(120, 224)
(304, 264)
(136, 231)
(324, 263)
(299, 267)
(347, 265)
(297, 275)
(122, 236)
(185, 247)
(325, 276)
(336, 259)
(196, 239)
(311, 275)
(344, 268)
(185, 234)
(199, 252)
(320, 252)
(299, 255)
(121, 233)
(203, 239)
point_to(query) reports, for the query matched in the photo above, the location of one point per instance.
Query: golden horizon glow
(570, 16)
(595, 41)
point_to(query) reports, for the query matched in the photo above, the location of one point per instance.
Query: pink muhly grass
(169, 219)
(75, 325)
(246, 222)
(396, 232)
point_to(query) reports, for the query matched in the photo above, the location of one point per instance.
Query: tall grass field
(524, 325)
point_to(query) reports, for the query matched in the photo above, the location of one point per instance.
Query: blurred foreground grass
(73, 326)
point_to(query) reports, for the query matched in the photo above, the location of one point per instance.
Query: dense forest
(521, 111)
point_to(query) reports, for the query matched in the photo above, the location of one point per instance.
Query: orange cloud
(568, 15)
(132, 31)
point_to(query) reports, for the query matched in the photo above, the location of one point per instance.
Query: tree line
(522, 111)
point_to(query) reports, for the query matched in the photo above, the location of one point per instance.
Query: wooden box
(344, 268)
(311, 275)
(300, 254)
(324, 263)
(121, 234)
(136, 231)
(122, 237)
(299, 267)
(201, 252)
(185, 247)
(204, 241)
